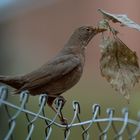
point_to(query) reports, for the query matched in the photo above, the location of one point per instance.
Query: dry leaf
(119, 65)
(104, 24)
(123, 19)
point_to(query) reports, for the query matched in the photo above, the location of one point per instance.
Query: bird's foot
(64, 121)
(60, 101)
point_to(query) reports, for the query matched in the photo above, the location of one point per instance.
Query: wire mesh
(118, 132)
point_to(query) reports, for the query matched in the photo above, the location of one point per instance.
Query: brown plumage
(60, 73)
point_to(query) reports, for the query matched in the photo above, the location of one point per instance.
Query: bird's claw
(64, 121)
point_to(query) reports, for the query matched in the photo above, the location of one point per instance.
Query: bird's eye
(88, 29)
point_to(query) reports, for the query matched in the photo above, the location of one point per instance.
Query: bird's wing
(54, 70)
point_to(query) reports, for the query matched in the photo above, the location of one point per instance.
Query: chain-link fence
(111, 127)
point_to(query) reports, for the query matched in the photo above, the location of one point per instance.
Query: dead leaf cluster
(118, 63)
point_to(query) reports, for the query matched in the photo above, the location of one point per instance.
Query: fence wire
(87, 130)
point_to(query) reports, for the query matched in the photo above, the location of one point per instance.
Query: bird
(60, 73)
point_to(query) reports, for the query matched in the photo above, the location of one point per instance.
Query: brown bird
(60, 73)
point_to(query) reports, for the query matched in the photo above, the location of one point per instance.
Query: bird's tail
(13, 81)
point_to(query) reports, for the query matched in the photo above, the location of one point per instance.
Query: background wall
(31, 35)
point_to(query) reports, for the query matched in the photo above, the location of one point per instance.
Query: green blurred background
(32, 32)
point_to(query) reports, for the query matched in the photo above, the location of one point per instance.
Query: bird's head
(84, 34)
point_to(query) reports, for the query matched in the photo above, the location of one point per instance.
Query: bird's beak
(99, 30)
